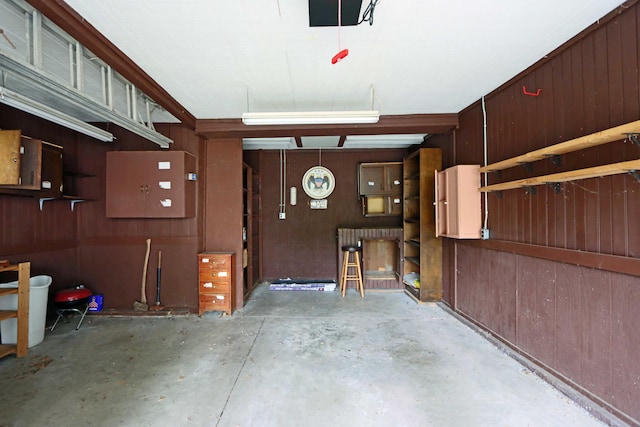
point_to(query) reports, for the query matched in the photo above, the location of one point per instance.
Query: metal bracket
(530, 189)
(634, 138)
(527, 166)
(44, 199)
(555, 186)
(555, 159)
(634, 174)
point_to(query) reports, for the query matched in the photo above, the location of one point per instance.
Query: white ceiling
(220, 58)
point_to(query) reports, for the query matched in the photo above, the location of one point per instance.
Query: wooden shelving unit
(422, 249)
(251, 229)
(22, 313)
(598, 138)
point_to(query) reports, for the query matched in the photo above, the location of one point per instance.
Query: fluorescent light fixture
(43, 111)
(311, 118)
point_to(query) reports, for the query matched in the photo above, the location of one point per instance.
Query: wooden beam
(603, 137)
(594, 172)
(387, 125)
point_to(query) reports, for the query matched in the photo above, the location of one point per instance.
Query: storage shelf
(413, 259)
(7, 349)
(413, 242)
(593, 172)
(606, 136)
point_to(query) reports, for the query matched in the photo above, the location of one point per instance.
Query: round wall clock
(318, 182)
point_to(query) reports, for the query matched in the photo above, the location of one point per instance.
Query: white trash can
(38, 298)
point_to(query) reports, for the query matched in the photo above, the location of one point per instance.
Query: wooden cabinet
(380, 178)
(150, 184)
(29, 166)
(458, 212)
(380, 188)
(422, 269)
(215, 276)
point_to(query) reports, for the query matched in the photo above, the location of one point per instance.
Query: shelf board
(7, 349)
(413, 259)
(413, 242)
(8, 314)
(608, 135)
(8, 291)
(593, 172)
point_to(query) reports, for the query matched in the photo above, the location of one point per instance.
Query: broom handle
(143, 296)
(158, 279)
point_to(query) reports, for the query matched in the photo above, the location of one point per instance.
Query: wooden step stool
(351, 260)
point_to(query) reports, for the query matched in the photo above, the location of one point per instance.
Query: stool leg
(359, 275)
(343, 276)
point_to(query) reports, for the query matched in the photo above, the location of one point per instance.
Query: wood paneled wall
(85, 247)
(578, 321)
(305, 244)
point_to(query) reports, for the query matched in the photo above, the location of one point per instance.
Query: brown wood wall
(580, 321)
(85, 247)
(305, 244)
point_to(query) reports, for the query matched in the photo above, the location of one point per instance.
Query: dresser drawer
(215, 302)
(215, 275)
(215, 261)
(209, 286)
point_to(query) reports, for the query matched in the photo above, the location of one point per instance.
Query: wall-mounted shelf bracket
(530, 189)
(555, 186)
(73, 203)
(635, 174)
(634, 138)
(555, 159)
(527, 166)
(45, 199)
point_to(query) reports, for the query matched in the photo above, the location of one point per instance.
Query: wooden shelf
(603, 137)
(593, 172)
(22, 313)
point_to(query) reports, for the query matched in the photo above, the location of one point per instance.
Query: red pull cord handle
(524, 90)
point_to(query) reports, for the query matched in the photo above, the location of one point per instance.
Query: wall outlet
(282, 215)
(484, 233)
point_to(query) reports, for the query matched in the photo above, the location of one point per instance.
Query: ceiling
(221, 58)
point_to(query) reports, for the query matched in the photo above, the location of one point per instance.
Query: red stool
(73, 299)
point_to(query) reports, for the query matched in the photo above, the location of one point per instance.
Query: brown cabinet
(215, 276)
(150, 184)
(380, 186)
(458, 213)
(380, 178)
(29, 166)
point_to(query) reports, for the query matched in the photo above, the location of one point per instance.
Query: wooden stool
(354, 263)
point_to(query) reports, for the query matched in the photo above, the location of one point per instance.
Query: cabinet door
(126, 186)
(150, 184)
(372, 179)
(9, 157)
(441, 203)
(52, 170)
(170, 194)
(394, 178)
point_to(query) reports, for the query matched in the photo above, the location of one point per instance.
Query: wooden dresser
(215, 276)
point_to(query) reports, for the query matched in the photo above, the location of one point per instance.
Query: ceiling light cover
(311, 118)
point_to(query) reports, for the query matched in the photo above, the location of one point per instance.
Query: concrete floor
(286, 359)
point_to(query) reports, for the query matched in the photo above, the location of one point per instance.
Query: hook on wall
(536, 93)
